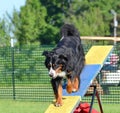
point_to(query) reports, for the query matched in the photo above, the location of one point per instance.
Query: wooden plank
(95, 58)
(69, 105)
(87, 76)
(117, 39)
(98, 54)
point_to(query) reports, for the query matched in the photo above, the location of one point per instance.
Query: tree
(54, 19)
(30, 22)
(4, 33)
(92, 17)
(41, 20)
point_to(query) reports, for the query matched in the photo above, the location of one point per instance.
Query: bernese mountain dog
(66, 60)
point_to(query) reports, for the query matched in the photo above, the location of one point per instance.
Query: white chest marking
(53, 73)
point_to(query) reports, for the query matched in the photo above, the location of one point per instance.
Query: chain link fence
(23, 75)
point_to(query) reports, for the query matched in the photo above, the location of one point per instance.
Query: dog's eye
(49, 65)
(54, 65)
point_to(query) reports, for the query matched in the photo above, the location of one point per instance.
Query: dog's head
(56, 64)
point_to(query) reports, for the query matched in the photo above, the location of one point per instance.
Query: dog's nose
(52, 72)
(51, 75)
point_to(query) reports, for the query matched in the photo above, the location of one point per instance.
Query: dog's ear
(48, 53)
(45, 53)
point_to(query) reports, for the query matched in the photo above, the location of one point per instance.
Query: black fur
(68, 52)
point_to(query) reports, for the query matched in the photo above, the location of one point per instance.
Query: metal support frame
(95, 93)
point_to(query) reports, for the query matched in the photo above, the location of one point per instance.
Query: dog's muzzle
(52, 73)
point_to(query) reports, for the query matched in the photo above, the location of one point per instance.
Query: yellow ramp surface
(98, 54)
(69, 105)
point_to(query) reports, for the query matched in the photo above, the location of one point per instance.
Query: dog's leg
(76, 83)
(57, 88)
(73, 84)
(59, 96)
(69, 87)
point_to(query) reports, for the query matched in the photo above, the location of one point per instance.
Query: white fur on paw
(58, 105)
(74, 90)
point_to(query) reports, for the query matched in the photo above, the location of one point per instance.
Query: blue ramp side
(87, 76)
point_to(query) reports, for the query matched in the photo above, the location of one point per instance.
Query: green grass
(11, 106)
(109, 108)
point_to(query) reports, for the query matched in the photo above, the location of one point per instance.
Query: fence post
(13, 76)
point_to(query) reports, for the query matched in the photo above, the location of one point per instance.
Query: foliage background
(39, 21)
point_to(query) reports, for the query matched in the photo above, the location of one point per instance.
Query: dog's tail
(69, 30)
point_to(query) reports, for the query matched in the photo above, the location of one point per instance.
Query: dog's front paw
(74, 90)
(58, 104)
